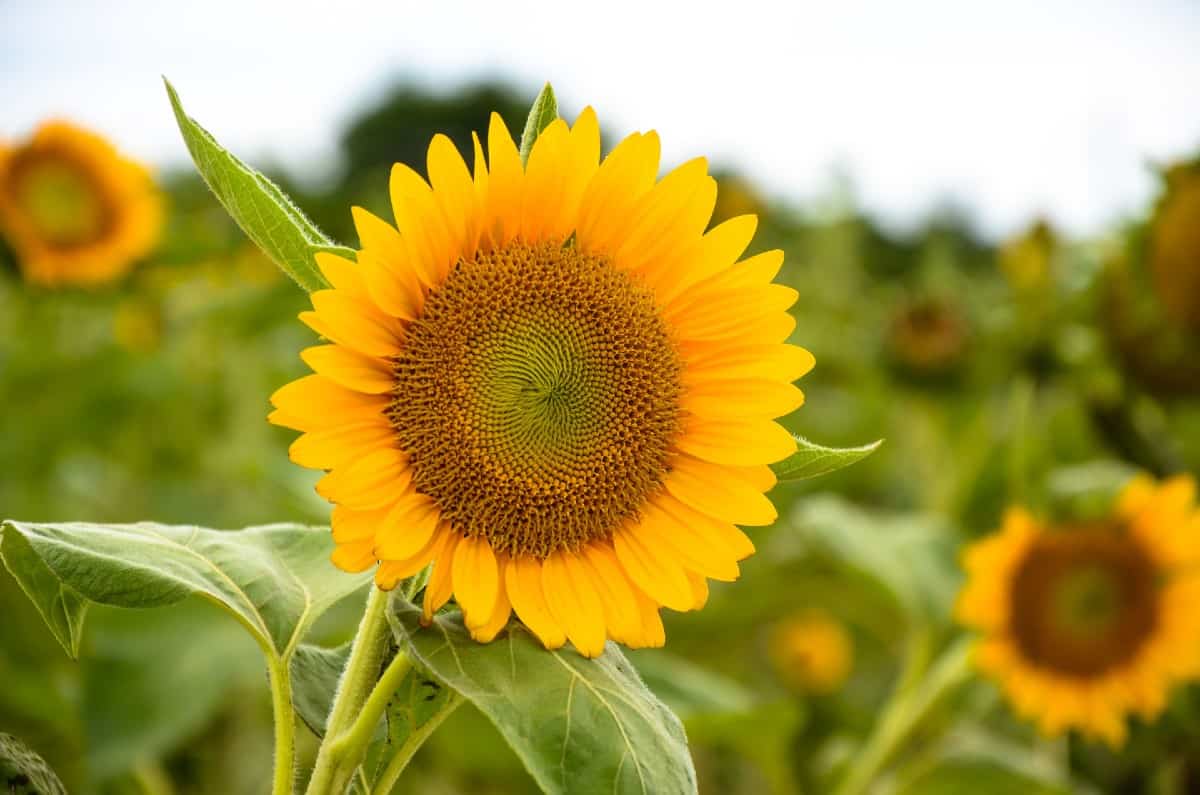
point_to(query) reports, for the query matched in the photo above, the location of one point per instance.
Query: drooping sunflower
(73, 209)
(553, 383)
(1085, 625)
(811, 652)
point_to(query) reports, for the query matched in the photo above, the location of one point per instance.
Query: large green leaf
(23, 772)
(275, 579)
(579, 726)
(543, 112)
(260, 208)
(812, 460)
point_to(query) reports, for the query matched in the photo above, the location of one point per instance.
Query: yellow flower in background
(1175, 245)
(928, 336)
(1027, 261)
(811, 652)
(552, 383)
(74, 210)
(1085, 625)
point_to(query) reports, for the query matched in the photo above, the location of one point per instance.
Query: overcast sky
(1010, 108)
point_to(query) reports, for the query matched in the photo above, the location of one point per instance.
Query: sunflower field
(512, 458)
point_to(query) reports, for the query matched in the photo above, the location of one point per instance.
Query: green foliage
(587, 726)
(276, 579)
(812, 460)
(22, 772)
(260, 208)
(541, 115)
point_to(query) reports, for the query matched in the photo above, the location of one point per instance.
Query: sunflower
(74, 210)
(1085, 624)
(552, 383)
(811, 652)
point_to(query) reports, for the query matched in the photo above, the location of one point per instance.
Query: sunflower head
(553, 381)
(1085, 624)
(811, 652)
(74, 210)
(928, 336)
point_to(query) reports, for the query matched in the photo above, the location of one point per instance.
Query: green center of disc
(60, 200)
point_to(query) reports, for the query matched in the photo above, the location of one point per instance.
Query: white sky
(1009, 108)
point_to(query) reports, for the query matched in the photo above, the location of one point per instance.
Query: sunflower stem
(279, 674)
(371, 643)
(399, 761)
(906, 710)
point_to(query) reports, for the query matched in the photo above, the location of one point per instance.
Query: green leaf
(813, 460)
(275, 579)
(579, 726)
(687, 688)
(541, 115)
(61, 607)
(911, 556)
(260, 208)
(315, 675)
(23, 772)
(981, 777)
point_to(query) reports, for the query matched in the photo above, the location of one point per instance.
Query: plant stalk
(359, 681)
(399, 761)
(280, 676)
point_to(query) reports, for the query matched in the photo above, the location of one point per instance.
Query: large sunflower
(74, 210)
(552, 383)
(1084, 625)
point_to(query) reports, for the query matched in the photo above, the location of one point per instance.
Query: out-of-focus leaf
(138, 665)
(23, 772)
(980, 777)
(579, 726)
(687, 688)
(275, 579)
(910, 556)
(812, 460)
(260, 208)
(763, 735)
(970, 749)
(543, 112)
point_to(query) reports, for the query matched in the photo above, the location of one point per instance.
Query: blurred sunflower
(811, 652)
(552, 383)
(1084, 625)
(1175, 245)
(928, 336)
(74, 210)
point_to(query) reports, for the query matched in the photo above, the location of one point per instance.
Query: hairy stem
(280, 678)
(358, 683)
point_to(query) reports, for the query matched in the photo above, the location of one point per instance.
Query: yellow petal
(375, 480)
(314, 402)
(653, 635)
(352, 370)
(427, 246)
(611, 198)
(737, 442)
(476, 580)
(699, 590)
(772, 362)
(454, 190)
(573, 602)
(395, 289)
(654, 571)
(616, 597)
(697, 549)
(342, 273)
(353, 557)
(708, 531)
(721, 314)
(498, 621)
(713, 490)
(350, 525)
(671, 215)
(378, 236)
(441, 583)
(544, 181)
(718, 250)
(408, 527)
(505, 182)
(523, 581)
(355, 323)
(390, 572)
(732, 400)
(329, 448)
